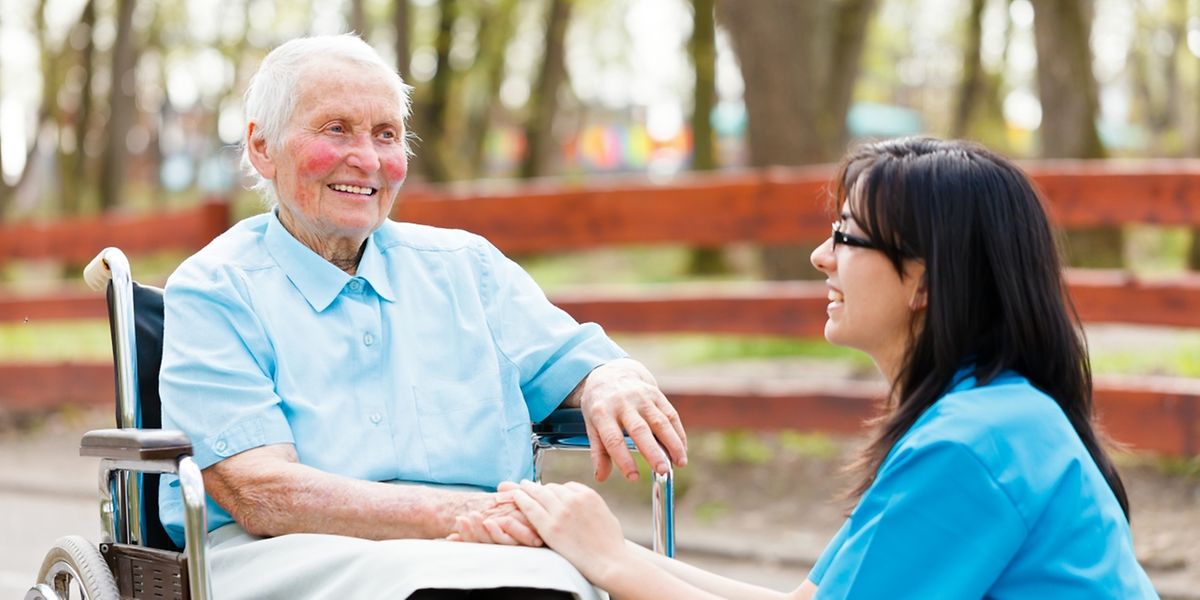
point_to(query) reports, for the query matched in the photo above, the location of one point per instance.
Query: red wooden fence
(765, 207)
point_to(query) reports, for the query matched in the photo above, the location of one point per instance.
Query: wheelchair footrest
(143, 572)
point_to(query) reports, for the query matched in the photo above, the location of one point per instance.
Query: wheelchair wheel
(73, 569)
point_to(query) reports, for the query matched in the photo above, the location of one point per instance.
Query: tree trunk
(1067, 88)
(52, 85)
(79, 171)
(121, 109)
(490, 61)
(358, 18)
(1066, 83)
(543, 103)
(1176, 27)
(797, 106)
(433, 138)
(1196, 110)
(1179, 16)
(703, 50)
(708, 260)
(5, 190)
(403, 36)
(972, 79)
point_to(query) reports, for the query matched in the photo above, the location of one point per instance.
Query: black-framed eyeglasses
(840, 237)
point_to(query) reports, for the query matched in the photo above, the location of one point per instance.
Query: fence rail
(773, 206)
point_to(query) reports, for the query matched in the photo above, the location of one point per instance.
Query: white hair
(271, 96)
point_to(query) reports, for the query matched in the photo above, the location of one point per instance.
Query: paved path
(47, 491)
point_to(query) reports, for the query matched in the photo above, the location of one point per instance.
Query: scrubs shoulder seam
(991, 478)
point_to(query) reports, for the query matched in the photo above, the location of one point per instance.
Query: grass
(1152, 249)
(628, 266)
(693, 349)
(736, 447)
(710, 511)
(1180, 359)
(1155, 250)
(1183, 467)
(810, 445)
(49, 341)
(1188, 467)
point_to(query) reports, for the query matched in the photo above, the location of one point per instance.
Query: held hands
(497, 521)
(573, 520)
(622, 397)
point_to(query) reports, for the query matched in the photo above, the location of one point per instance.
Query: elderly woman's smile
(353, 189)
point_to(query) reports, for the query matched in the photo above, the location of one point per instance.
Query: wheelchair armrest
(563, 421)
(135, 444)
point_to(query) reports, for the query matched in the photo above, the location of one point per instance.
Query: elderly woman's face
(342, 156)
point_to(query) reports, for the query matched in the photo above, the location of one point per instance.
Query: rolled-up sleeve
(216, 382)
(552, 351)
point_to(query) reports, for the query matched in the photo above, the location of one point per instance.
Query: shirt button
(220, 446)
(355, 284)
(368, 339)
(376, 418)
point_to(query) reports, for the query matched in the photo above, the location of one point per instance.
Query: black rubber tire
(74, 565)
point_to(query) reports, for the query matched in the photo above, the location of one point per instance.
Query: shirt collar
(373, 269)
(318, 280)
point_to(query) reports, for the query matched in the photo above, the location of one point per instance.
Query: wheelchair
(135, 558)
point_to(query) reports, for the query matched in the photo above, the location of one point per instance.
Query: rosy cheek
(319, 158)
(395, 168)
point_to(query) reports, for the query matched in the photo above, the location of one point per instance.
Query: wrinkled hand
(622, 397)
(573, 520)
(499, 521)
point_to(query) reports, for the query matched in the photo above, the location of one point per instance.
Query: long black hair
(995, 291)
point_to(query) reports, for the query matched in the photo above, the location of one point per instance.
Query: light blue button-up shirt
(428, 365)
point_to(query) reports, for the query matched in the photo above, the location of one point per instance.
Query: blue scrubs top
(991, 494)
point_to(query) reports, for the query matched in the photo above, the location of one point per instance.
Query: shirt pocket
(462, 427)
(442, 395)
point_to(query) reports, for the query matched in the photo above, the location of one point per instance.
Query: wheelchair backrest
(148, 329)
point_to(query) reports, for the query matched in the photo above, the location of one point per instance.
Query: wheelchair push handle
(99, 271)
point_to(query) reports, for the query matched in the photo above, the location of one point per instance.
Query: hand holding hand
(573, 520)
(499, 521)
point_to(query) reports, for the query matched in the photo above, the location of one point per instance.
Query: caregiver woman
(985, 475)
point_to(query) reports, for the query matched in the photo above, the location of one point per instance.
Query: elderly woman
(320, 353)
(985, 476)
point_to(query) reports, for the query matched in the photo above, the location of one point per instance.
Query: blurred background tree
(1070, 109)
(126, 105)
(800, 61)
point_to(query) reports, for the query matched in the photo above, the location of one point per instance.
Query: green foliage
(1179, 359)
(1186, 467)
(1156, 250)
(624, 266)
(1179, 466)
(809, 445)
(739, 447)
(710, 511)
(79, 341)
(700, 349)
